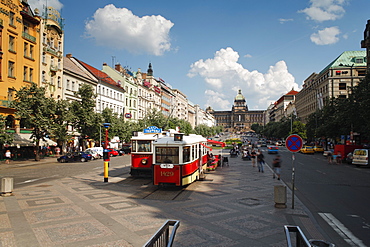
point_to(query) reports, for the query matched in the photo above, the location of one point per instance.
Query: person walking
(8, 156)
(260, 160)
(253, 157)
(276, 163)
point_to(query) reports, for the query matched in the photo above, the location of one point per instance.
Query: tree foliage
(31, 103)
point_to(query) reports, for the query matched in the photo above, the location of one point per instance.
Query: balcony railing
(29, 37)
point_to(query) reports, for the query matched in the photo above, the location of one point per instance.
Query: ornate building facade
(240, 118)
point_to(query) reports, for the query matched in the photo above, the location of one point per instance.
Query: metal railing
(300, 239)
(163, 238)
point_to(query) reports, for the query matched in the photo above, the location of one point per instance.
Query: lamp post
(106, 153)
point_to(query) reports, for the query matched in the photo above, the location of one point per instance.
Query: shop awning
(222, 144)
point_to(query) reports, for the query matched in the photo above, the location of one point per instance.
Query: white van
(98, 150)
(360, 157)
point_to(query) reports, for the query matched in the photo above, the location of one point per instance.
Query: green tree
(83, 111)
(4, 136)
(31, 103)
(63, 118)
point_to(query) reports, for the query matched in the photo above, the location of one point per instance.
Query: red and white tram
(179, 159)
(142, 154)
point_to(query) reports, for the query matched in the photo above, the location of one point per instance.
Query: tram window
(134, 146)
(168, 155)
(143, 146)
(186, 154)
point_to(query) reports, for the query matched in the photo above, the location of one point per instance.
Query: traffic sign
(294, 143)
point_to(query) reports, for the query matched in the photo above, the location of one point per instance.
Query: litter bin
(280, 196)
(320, 243)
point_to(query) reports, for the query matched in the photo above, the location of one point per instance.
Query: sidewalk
(234, 206)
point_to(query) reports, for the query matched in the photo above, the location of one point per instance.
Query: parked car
(74, 156)
(360, 157)
(125, 150)
(318, 149)
(112, 152)
(307, 150)
(94, 155)
(272, 150)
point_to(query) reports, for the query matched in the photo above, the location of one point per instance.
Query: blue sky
(209, 49)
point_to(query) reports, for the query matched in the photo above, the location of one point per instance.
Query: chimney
(69, 55)
(118, 67)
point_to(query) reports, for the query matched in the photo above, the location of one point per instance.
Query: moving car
(307, 150)
(318, 149)
(272, 150)
(74, 156)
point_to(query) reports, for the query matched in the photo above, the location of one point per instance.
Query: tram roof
(190, 139)
(146, 137)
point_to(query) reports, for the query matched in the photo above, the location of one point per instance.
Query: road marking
(36, 179)
(346, 234)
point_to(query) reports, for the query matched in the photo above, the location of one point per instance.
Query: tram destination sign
(294, 143)
(152, 130)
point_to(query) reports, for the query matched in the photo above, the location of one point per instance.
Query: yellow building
(19, 53)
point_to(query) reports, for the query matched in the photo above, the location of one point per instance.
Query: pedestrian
(260, 160)
(8, 156)
(339, 158)
(253, 157)
(276, 163)
(330, 157)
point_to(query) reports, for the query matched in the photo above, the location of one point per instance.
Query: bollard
(6, 186)
(280, 196)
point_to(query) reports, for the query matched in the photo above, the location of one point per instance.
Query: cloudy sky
(212, 48)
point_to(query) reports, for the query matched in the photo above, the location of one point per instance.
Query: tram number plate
(169, 166)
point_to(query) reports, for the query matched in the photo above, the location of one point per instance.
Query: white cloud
(326, 36)
(216, 100)
(325, 10)
(282, 20)
(248, 55)
(38, 4)
(259, 89)
(121, 29)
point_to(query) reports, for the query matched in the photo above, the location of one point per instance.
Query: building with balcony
(149, 93)
(283, 106)
(334, 81)
(19, 55)
(51, 36)
(240, 118)
(125, 78)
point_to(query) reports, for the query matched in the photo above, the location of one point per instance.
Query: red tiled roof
(102, 76)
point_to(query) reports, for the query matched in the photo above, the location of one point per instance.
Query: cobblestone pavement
(233, 206)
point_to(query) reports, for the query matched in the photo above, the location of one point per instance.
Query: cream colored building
(51, 36)
(334, 81)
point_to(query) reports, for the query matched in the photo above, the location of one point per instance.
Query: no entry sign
(294, 143)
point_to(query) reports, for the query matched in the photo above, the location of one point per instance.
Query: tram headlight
(144, 161)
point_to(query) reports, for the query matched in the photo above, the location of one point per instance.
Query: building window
(361, 72)
(43, 76)
(73, 85)
(44, 57)
(11, 43)
(44, 38)
(31, 51)
(67, 85)
(342, 96)
(11, 67)
(11, 18)
(31, 75)
(25, 71)
(59, 82)
(342, 86)
(25, 49)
